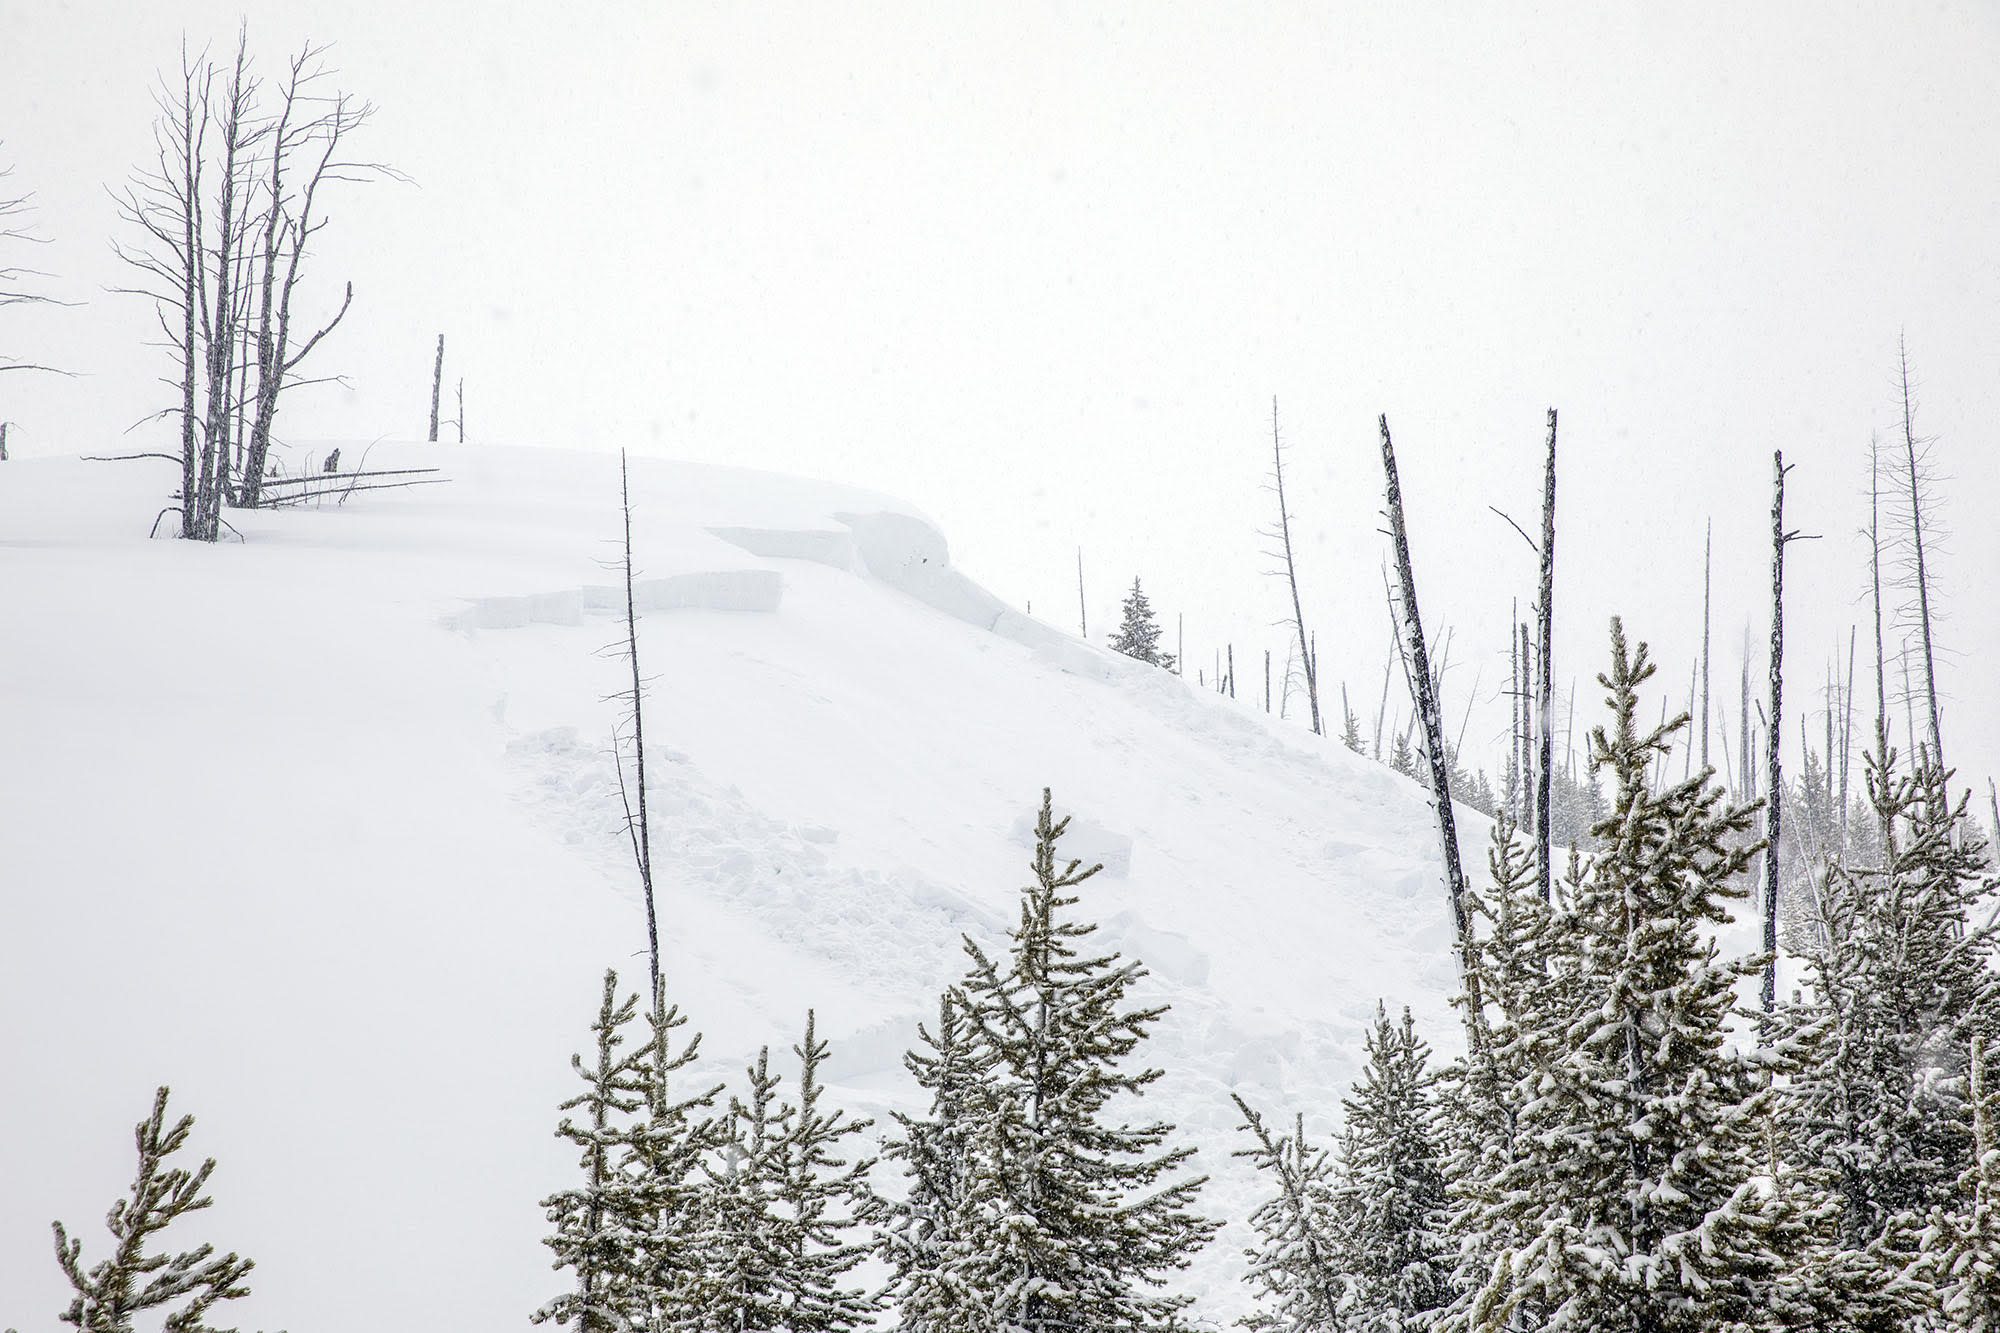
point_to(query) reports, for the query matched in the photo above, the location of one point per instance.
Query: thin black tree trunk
(1774, 807)
(1707, 569)
(636, 825)
(1545, 692)
(1875, 586)
(1923, 575)
(1425, 699)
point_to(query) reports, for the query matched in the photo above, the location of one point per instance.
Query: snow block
(1165, 952)
(1086, 840)
(715, 590)
(824, 546)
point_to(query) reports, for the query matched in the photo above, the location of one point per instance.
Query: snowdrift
(321, 828)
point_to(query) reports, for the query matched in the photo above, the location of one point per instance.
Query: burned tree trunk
(1923, 580)
(1545, 688)
(1424, 697)
(637, 828)
(1774, 808)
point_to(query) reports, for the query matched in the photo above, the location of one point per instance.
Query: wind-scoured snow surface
(322, 830)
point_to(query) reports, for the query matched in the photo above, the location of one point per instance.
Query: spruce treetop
(1138, 633)
(133, 1281)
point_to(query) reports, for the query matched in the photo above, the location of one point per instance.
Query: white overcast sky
(1040, 269)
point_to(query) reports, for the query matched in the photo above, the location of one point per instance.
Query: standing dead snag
(223, 220)
(1773, 810)
(1424, 696)
(289, 225)
(1283, 536)
(636, 827)
(1545, 691)
(1920, 573)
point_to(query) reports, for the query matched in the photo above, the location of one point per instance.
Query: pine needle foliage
(827, 1198)
(1390, 1196)
(784, 1210)
(1138, 633)
(626, 1232)
(1068, 1219)
(924, 1236)
(748, 1239)
(1296, 1268)
(133, 1281)
(1961, 1247)
(598, 1222)
(1635, 1192)
(1901, 977)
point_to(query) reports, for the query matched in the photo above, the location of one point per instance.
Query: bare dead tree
(1388, 667)
(1875, 588)
(1993, 799)
(459, 420)
(1282, 535)
(1545, 685)
(1082, 615)
(1707, 571)
(1774, 805)
(637, 829)
(437, 387)
(310, 133)
(1914, 476)
(1423, 695)
(222, 221)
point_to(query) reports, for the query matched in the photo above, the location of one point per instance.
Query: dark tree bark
(637, 829)
(1545, 689)
(1707, 570)
(1774, 779)
(1424, 697)
(1923, 580)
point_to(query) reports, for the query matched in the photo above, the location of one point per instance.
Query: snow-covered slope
(322, 830)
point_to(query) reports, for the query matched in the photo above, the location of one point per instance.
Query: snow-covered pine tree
(1637, 1195)
(1961, 1247)
(1079, 1217)
(668, 1195)
(923, 1235)
(626, 1232)
(1296, 1268)
(132, 1281)
(827, 1198)
(1350, 727)
(1390, 1191)
(598, 1223)
(1900, 975)
(748, 1239)
(1508, 957)
(1138, 633)
(1403, 755)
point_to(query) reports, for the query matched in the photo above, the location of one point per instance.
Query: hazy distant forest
(1647, 1129)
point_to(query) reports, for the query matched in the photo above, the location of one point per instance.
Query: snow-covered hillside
(322, 830)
